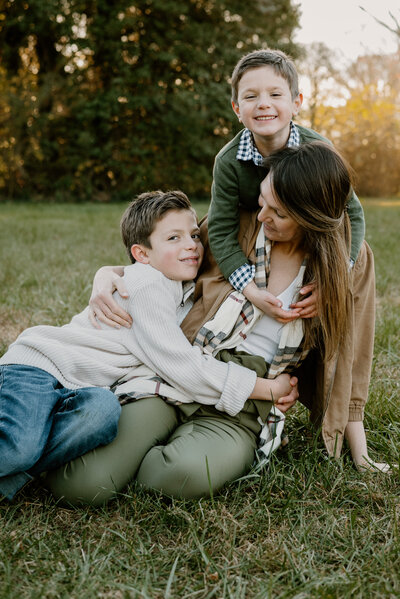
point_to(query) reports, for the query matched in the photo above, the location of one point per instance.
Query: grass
(308, 527)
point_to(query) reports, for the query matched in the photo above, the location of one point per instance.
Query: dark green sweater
(236, 183)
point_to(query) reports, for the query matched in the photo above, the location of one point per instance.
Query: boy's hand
(308, 306)
(269, 304)
(103, 307)
(286, 392)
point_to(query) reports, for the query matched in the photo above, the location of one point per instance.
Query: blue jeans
(43, 425)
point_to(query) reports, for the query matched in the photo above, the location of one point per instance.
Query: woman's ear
(139, 253)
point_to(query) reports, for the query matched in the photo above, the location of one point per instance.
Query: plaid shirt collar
(248, 151)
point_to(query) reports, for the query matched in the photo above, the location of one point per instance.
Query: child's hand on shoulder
(269, 304)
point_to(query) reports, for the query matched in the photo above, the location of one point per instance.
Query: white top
(78, 355)
(264, 338)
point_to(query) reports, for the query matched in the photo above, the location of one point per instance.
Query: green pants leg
(97, 476)
(205, 452)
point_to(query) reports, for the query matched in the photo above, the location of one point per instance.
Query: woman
(304, 240)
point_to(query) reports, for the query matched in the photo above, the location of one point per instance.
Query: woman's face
(278, 225)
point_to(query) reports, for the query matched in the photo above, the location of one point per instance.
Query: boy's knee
(102, 401)
(101, 409)
(110, 407)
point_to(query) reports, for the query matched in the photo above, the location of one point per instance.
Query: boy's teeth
(265, 118)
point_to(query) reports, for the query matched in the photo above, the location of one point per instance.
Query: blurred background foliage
(357, 106)
(102, 99)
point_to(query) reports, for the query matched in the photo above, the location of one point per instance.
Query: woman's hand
(307, 307)
(368, 465)
(356, 438)
(103, 307)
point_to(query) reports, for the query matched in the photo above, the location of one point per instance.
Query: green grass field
(307, 527)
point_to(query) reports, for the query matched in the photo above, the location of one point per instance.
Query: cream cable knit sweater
(79, 355)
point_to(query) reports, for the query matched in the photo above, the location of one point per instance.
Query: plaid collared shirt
(247, 150)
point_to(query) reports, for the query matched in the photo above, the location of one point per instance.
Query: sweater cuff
(239, 385)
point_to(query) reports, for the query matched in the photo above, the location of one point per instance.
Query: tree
(368, 134)
(394, 28)
(107, 98)
(319, 67)
(364, 122)
(370, 123)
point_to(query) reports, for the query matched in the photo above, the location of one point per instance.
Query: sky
(342, 25)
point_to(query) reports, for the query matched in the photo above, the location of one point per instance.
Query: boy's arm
(270, 304)
(161, 345)
(223, 219)
(356, 215)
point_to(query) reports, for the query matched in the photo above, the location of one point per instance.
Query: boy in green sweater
(265, 97)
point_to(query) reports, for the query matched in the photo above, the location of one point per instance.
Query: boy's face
(265, 105)
(176, 249)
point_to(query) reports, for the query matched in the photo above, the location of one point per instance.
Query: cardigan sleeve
(356, 215)
(160, 344)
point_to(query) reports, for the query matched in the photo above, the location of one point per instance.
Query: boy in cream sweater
(55, 398)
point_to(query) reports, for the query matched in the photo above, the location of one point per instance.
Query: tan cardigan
(335, 391)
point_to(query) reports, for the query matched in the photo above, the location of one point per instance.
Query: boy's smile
(176, 249)
(265, 106)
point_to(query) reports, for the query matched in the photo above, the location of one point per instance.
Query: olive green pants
(187, 451)
(183, 456)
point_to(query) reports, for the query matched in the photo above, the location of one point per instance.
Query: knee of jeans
(102, 410)
(17, 457)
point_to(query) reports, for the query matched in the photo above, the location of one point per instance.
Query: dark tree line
(101, 99)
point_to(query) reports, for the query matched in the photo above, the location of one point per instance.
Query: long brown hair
(313, 183)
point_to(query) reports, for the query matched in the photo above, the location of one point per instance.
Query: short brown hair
(282, 64)
(143, 213)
